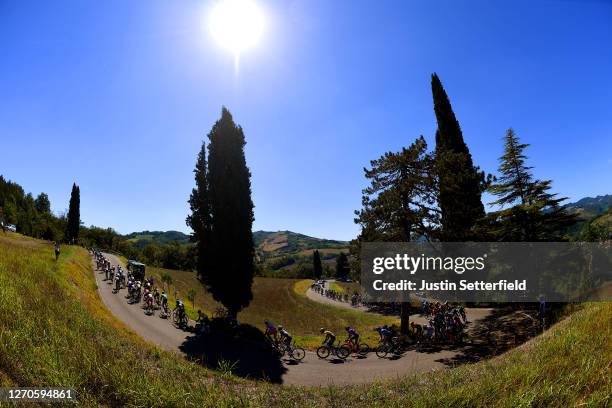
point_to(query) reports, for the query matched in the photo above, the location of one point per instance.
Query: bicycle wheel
(382, 350)
(323, 352)
(343, 352)
(298, 353)
(363, 349)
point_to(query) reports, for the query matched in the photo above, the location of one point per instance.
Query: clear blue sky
(117, 96)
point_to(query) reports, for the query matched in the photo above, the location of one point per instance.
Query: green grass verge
(55, 331)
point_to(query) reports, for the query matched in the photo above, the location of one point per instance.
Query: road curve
(312, 371)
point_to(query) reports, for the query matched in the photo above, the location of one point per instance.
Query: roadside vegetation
(51, 312)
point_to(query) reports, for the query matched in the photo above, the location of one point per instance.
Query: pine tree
(200, 219)
(460, 183)
(74, 215)
(229, 270)
(317, 267)
(531, 213)
(399, 204)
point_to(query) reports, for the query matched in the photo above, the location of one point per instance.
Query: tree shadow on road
(497, 333)
(243, 349)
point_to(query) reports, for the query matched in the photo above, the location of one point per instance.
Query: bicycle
(341, 351)
(292, 350)
(149, 308)
(179, 319)
(357, 348)
(393, 347)
(165, 312)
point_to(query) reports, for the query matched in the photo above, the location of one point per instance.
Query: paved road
(311, 371)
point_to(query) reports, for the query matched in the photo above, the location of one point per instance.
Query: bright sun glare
(236, 25)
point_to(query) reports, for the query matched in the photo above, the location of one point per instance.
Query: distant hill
(279, 253)
(289, 254)
(590, 207)
(144, 238)
(291, 242)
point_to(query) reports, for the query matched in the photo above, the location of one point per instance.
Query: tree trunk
(405, 318)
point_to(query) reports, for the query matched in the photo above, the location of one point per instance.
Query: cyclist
(271, 331)
(353, 336)
(149, 301)
(164, 303)
(181, 308)
(57, 250)
(285, 337)
(385, 334)
(164, 299)
(330, 337)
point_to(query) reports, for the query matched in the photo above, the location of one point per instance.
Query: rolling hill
(144, 238)
(590, 207)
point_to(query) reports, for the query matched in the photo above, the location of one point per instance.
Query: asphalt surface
(258, 363)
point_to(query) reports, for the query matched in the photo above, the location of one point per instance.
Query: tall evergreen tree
(531, 213)
(317, 267)
(42, 203)
(74, 214)
(342, 266)
(200, 219)
(460, 183)
(399, 204)
(228, 267)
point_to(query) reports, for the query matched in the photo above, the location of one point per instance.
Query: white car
(10, 227)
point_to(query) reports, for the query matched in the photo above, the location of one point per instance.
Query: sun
(237, 25)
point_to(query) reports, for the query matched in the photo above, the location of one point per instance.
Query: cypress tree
(74, 214)
(531, 213)
(317, 267)
(230, 269)
(342, 266)
(200, 219)
(460, 183)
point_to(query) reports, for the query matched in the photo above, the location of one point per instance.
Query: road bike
(292, 350)
(326, 350)
(179, 318)
(360, 348)
(394, 347)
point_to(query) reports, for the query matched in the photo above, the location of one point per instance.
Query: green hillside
(590, 207)
(144, 238)
(289, 254)
(51, 311)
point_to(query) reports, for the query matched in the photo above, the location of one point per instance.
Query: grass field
(281, 301)
(50, 313)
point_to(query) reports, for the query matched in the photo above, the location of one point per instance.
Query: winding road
(312, 371)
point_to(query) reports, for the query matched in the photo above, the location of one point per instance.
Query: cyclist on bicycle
(330, 337)
(149, 300)
(271, 331)
(181, 308)
(285, 337)
(384, 333)
(353, 335)
(164, 299)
